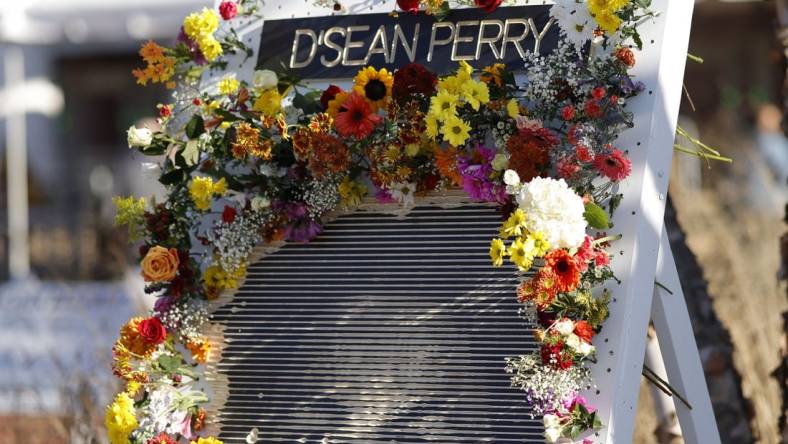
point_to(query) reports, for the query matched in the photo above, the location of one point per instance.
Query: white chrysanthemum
(555, 210)
(575, 21)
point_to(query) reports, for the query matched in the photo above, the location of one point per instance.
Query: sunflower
(455, 130)
(374, 85)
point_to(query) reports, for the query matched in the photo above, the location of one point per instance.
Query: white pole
(16, 170)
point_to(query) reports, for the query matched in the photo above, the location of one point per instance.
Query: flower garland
(263, 160)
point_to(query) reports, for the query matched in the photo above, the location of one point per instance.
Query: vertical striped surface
(382, 330)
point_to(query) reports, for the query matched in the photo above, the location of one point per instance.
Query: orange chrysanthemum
(199, 349)
(327, 154)
(446, 162)
(565, 268)
(247, 142)
(131, 340)
(160, 68)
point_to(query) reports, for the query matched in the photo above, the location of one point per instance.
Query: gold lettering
(459, 39)
(489, 41)
(332, 45)
(296, 42)
(538, 36)
(434, 43)
(379, 45)
(514, 40)
(399, 35)
(350, 44)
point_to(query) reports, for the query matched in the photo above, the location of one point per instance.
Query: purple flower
(191, 45)
(476, 171)
(303, 231)
(383, 196)
(164, 304)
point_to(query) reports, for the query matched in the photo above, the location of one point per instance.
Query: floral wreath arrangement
(262, 160)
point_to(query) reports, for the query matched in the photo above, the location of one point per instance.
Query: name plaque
(333, 47)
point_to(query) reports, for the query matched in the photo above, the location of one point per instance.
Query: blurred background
(67, 97)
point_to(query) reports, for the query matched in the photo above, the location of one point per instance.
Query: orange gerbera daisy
(565, 268)
(356, 117)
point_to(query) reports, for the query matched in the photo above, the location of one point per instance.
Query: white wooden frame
(645, 253)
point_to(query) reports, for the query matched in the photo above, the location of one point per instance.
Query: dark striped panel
(382, 330)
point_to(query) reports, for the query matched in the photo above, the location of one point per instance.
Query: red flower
(196, 101)
(565, 268)
(228, 215)
(164, 111)
(162, 438)
(625, 56)
(598, 92)
(584, 331)
(554, 356)
(583, 153)
(615, 166)
(592, 109)
(567, 167)
(568, 112)
(328, 95)
(152, 330)
(413, 79)
(601, 258)
(355, 117)
(488, 5)
(411, 6)
(228, 10)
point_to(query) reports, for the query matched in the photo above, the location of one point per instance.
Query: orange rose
(160, 264)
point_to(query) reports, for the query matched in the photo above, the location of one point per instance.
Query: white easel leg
(680, 353)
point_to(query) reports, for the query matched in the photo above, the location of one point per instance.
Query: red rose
(409, 5)
(413, 79)
(152, 331)
(328, 95)
(164, 111)
(228, 10)
(598, 92)
(584, 331)
(228, 215)
(488, 5)
(554, 355)
(568, 112)
(592, 109)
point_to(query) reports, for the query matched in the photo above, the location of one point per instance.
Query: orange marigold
(199, 349)
(327, 154)
(132, 341)
(159, 67)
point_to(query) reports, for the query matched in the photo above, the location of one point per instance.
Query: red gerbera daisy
(355, 117)
(565, 268)
(614, 165)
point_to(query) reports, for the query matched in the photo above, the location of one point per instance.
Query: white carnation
(555, 210)
(552, 434)
(511, 178)
(551, 421)
(585, 348)
(265, 79)
(139, 137)
(565, 327)
(573, 342)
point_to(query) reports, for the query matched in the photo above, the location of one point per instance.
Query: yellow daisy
(475, 93)
(497, 252)
(431, 129)
(444, 105)
(541, 244)
(513, 109)
(515, 225)
(452, 84)
(455, 130)
(228, 85)
(519, 256)
(374, 85)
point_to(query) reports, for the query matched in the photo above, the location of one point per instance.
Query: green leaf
(195, 127)
(169, 364)
(308, 104)
(596, 216)
(227, 116)
(191, 154)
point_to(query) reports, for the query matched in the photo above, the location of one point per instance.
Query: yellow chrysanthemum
(519, 255)
(269, 102)
(210, 48)
(596, 6)
(228, 85)
(452, 84)
(431, 129)
(455, 131)
(220, 187)
(464, 71)
(541, 244)
(202, 189)
(475, 93)
(351, 192)
(201, 23)
(444, 105)
(374, 85)
(216, 278)
(513, 109)
(120, 419)
(608, 21)
(497, 252)
(130, 213)
(209, 440)
(514, 225)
